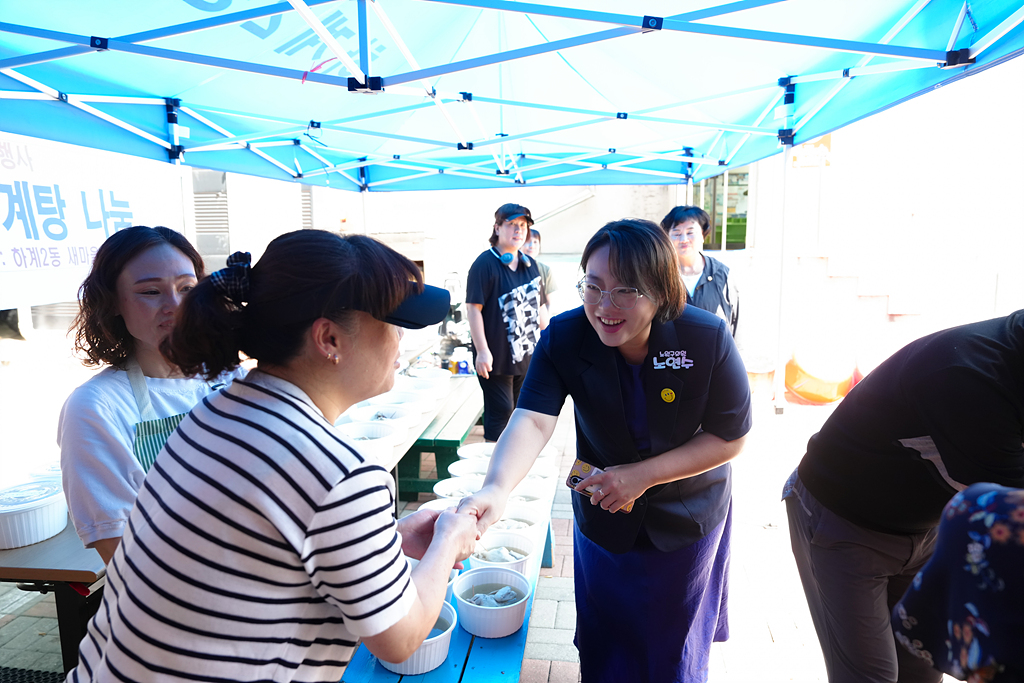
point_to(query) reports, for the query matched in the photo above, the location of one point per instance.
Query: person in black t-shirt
(505, 295)
(944, 412)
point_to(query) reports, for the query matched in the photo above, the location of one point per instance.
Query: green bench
(442, 437)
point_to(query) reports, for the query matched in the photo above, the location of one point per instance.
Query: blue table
(470, 658)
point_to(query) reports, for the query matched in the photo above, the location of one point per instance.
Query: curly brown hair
(100, 333)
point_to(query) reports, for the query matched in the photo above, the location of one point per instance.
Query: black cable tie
(468, 145)
(622, 115)
(98, 43)
(467, 96)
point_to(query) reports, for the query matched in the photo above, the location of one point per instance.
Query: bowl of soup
(491, 601)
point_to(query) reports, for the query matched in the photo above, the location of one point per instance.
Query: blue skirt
(650, 616)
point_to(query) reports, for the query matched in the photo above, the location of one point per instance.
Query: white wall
(259, 210)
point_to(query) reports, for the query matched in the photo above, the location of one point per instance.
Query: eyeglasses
(621, 297)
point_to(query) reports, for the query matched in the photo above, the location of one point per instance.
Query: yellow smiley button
(667, 395)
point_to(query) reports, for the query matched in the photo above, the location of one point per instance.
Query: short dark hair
(641, 255)
(302, 276)
(681, 214)
(506, 211)
(535, 233)
(100, 332)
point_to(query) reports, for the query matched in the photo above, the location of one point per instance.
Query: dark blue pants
(649, 616)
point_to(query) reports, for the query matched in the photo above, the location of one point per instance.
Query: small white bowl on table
(432, 652)
(402, 418)
(374, 439)
(457, 488)
(32, 512)
(415, 402)
(517, 541)
(491, 622)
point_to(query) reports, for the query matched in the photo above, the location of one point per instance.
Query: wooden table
(74, 573)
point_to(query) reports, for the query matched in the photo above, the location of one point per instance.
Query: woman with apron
(112, 427)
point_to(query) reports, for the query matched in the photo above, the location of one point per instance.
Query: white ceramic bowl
(484, 450)
(543, 469)
(491, 622)
(432, 652)
(470, 467)
(452, 575)
(399, 416)
(439, 504)
(430, 386)
(431, 373)
(373, 439)
(407, 399)
(32, 512)
(458, 487)
(513, 540)
(533, 516)
(532, 493)
(475, 450)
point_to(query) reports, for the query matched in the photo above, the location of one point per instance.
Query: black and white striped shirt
(261, 547)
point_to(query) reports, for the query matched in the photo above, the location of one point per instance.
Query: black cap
(419, 310)
(510, 212)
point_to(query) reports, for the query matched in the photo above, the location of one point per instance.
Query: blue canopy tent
(387, 95)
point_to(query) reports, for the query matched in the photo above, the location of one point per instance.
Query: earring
(334, 358)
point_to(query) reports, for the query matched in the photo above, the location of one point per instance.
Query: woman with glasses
(706, 279)
(662, 405)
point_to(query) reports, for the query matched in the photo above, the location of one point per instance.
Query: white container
(532, 493)
(491, 622)
(533, 516)
(435, 387)
(513, 540)
(439, 504)
(407, 399)
(398, 416)
(431, 373)
(432, 652)
(458, 488)
(30, 513)
(548, 454)
(542, 469)
(373, 439)
(470, 467)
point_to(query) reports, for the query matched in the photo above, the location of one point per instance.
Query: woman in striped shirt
(263, 545)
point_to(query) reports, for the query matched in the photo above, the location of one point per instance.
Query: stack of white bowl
(32, 512)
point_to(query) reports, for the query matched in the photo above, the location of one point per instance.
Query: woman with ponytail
(263, 544)
(113, 426)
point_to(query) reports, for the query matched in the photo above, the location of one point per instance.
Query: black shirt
(944, 412)
(511, 302)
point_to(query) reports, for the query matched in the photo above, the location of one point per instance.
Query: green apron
(150, 434)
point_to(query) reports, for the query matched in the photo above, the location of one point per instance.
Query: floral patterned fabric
(964, 612)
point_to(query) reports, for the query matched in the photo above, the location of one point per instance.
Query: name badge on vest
(671, 360)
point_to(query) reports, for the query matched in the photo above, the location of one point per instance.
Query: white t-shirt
(690, 281)
(96, 435)
(261, 547)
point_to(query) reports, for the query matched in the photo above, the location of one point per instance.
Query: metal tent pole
(782, 355)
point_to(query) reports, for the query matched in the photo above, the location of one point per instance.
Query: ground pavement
(772, 638)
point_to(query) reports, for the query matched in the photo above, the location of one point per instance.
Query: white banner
(58, 203)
